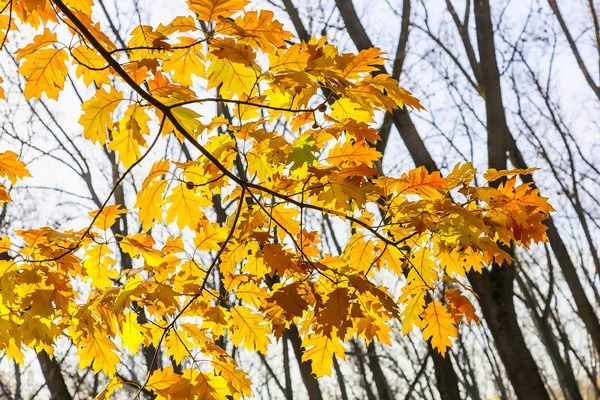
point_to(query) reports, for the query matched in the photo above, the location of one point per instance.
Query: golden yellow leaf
(11, 167)
(45, 71)
(108, 216)
(177, 346)
(132, 336)
(185, 206)
(111, 386)
(99, 264)
(237, 380)
(353, 154)
(45, 39)
(249, 329)
(85, 6)
(185, 61)
(492, 174)
(150, 201)
(91, 66)
(439, 326)
(97, 114)
(209, 236)
(212, 10)
(232, 66)
(321, 350)
(413, 297)
(420, 182)
(258, 29)
(360, 252)
(164, 381)
(99, 352)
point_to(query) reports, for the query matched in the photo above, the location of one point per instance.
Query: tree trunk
(585, 310)
(310, 382)
(54, 379)
(495, 287)
(381, 383)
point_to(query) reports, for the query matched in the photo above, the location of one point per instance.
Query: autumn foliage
(426, 229)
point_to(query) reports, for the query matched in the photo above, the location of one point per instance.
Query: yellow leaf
(97, 114)
(439, 326)
(141, 244)
(108, 216)
(85, 6)
(185, 206)
(320, 350)
(127, 144)
(150, 201)
(345, 108)
(366, 61)
(41, 41)
(237, 380)
(232, 66)
(250, 329)
(100, 351)
(420, 182)
(91, 66)
(452, 262)
(4, 195)
(258, 29)
(285, 217)
(144, 40)
(422, 267)
(131, 332)
(216, 320)
(98, 264)
(492, 174)
(353, 154)
(359, 252)
(185, 61)
(179, 24)
(46, 71)
(212, 10)
(413, 296)
(11, 167)
(163, 381)
(209, 236)
(5, 244)
(189, 120)
(177, 346)
(462, 174)
(161, 167)
(114, 384)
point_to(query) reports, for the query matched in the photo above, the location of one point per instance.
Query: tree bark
(54, 379)
(381, 383)
(447, 383)
(310, 382)
(495, 287)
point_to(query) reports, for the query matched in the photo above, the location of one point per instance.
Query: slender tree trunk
(566, 377)
(340, 378)
(289, 390)
(585, 310)
(310, 382)
(360, 359)
(54, 379)
(381, 383)
(495, 287)
(447, 382)
(420, 155)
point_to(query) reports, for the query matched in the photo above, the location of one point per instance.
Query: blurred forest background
(511, 83)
